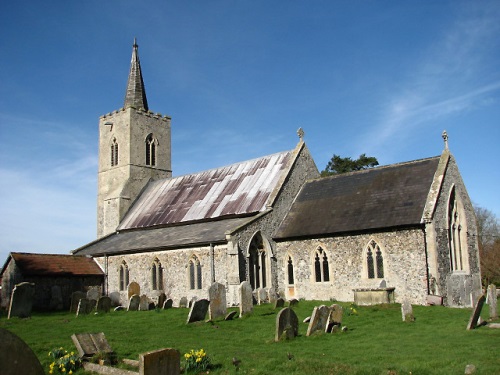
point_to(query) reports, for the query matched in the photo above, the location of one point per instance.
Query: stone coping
(374, 289)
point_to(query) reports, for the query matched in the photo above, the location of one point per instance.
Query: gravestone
(92, 304)
(160, 362)
(279, 303)
(75, 300)
(407, 311)
(217, 297)
(16, 357)
(287, 325)
(89, 344)
(133, 288)
(144, 303)
(94, 292)
(198, 311)
(161, 300)
(133, 304)
(104, 304)
(334, 317)
(476, 312)
(56, 300)
(492, 301)
(272, 296)
(21, 300)
(293, 302)
(261, 296)
(84, 307)
(246, 298)
(115, 299)
(168, 304)
(183, 302)
(230, 315)
(318, 321)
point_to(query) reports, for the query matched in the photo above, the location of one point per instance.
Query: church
(401, 232)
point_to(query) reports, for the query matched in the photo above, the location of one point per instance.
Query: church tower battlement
(134, 148)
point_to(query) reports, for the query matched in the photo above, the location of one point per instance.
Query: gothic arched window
(114, 153)
(150, 150)
(194, 267)
(291, 280)
(124, 275)
(157, 275)
(321, 267)
(257, 262)
(457, 234)
(374, 261)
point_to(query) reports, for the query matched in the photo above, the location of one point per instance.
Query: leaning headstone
(144, 303)
(16, 357)
(183, 302)
(492, 301)
(21, 300)
(94, 292)
(133, 288)
(168, 304)
(287, 325)
(476, 312)
(104, 304)
(230, 315)
(246, 298)
(161, 300)
(56, 300)
(407, 311)
(279, 303)
(334, 317)
(198, 311)
(75, 299)
(307, 319)
(133, 304)
(318, 321)
(84, 307)
(89, 344)
(217, 297)
(160, 362)
(293, 302)
(119, 308)
(261, 296)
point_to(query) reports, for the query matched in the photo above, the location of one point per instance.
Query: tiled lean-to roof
(383, 197)
(55, 265)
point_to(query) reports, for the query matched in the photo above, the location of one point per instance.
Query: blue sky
(238, 78)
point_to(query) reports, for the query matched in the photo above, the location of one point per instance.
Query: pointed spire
(136, 92)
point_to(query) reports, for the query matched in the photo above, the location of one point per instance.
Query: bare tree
(488, 229)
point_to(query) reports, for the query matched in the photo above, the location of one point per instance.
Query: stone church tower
(134, 148)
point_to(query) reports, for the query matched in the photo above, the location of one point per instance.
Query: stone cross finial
(445, 139)
(300, 133)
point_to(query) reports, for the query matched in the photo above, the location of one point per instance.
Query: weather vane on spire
(445, 139)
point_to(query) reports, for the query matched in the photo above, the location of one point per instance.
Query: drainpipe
(106, 274)
(212, 263)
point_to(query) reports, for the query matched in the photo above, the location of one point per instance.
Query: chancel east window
(157, 275)
(321, 268)
(374, 261)
(114, 153)
(150, 150)
(194, 273)
(124, 276)
(457, 234)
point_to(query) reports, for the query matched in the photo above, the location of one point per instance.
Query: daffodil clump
(352, 310)
(64, 362)
(197, 361)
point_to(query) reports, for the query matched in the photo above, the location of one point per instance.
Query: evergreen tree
(338, 164)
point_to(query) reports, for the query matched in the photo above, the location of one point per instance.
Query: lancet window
(194, 267)
(124, 276)
(258, 264)
(150, 150)
(374, 261)
(291, 280)
(321, 267)
(114, 153)
(457, 234)
(157, 275)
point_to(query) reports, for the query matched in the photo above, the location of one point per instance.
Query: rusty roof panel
(237, 189)
(56, 265)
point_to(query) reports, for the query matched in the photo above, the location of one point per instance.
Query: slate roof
(164, 238)
(55, 265)
(383, 197)
(239, 189)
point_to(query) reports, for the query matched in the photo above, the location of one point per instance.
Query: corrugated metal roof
(56, 264)
(384, 197)
(238, 189)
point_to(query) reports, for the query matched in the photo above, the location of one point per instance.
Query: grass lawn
(376, 342)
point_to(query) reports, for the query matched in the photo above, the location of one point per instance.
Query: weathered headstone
(94, 292)
(318, 321)
(217, 297)
(56, 300)
(407, 311)
(115, 299)
(133, 288)
(21, 300)
(160, 362)
(84, 307)
(279, 303)
(230, 315)
(151, 305)
(293, 302)
(261, 296)
(161, 300)
(16, 357)
(88, 344)
(144, 303)
(492, 301)
(246, 298)
(183, 302)
(133, 304)
(92, 304)
(119, 308)
(476, 312)
(272, 296)
(198, 311)
(287, 325)
(334, 317)
(168, 304)
(75, 300)
(104, 304)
